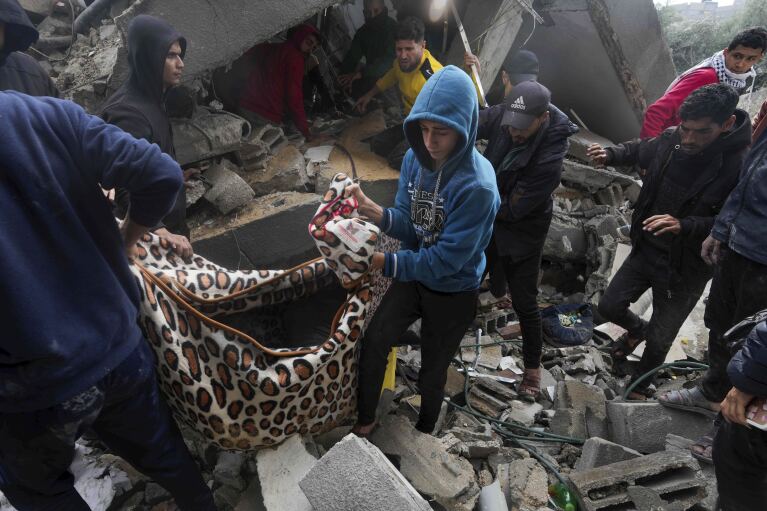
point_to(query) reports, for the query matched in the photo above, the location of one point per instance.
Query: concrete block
(206, 135)
(597, 452)
(673, 478)
(354, 475)
(228, 469)
(229, 190)
(570, 423)
(284, 172)
(522, 412)
(281, 471)
(588, 400)
(524, 483)
(643, 426)
(446, 478)
(676, 443)
(580, 142)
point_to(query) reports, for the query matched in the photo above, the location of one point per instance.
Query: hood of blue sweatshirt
(449, 98)
(443, 217)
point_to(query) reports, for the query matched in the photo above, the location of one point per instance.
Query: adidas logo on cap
(518, 104)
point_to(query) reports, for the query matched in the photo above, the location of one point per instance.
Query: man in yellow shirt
(413, 66)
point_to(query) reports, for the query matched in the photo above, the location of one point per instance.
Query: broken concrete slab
(447, 478)
(208, 134)
(673, 477)
(356, 475)
(597, 452)
(524, 483)
(229, 191)
(570, 423)
(588, 400)
(491, 498)
(522, 412)
(580, 142)
(281, 471)
(676, 443)
(643, 426)
(229, 470)
(592, 180)
(284, 172)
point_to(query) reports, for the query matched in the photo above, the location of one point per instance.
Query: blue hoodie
(69, 299)
(446, 254)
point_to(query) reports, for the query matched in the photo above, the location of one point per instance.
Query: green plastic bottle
(562, 497)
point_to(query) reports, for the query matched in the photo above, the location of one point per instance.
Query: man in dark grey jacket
(692, 169)
(527, 142)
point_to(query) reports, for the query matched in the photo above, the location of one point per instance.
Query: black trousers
(392, 145)
(737, 291)
(128, 414)
(740, 461)
(521, 277)
(671, 307)
(444, 320)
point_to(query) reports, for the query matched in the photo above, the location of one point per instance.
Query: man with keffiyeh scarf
(733, 66)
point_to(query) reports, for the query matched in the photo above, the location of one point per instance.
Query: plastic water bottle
(562, 497)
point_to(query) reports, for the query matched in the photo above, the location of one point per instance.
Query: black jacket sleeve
(533, 188)
(489, 118)
(748, 368)
(639, 152)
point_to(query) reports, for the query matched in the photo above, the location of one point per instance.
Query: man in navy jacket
(740, 450)
(72, 356)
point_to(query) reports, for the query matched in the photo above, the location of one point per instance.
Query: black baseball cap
(522, 66)
(527, 102)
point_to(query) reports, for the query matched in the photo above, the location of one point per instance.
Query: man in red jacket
(733, 66)
(275, 83)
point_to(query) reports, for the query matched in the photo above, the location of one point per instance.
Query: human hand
(659, 224)
(362, 104)
(734, 406)
(469, 59)
(180, 244)
(346, 80)
(378, 261)
(711, 250)
(598, 154)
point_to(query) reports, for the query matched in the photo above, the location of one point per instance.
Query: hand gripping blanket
(244, 391)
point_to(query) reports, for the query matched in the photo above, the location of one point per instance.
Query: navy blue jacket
(742, 222)
(748, 368)
(443, 244)
(70, 301)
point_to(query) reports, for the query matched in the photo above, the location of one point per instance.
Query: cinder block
(598, 452)
(588, 400)
(675, 478)
(643, 426)
(355, 476)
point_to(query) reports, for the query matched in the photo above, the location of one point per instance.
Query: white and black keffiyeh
(716, 62)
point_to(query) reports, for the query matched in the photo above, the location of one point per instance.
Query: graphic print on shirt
(422, 210)
(426, 69)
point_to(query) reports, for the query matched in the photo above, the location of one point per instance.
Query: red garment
(276, 83)
(760, 122)
(664, 113)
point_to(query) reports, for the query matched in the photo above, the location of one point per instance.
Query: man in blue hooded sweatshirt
(443, 214)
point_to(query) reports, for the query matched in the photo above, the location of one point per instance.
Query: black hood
(149, 40)
(739, 137)
(20, 33)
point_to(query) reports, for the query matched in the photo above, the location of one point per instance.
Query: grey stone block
(588, 400)
(643, 426)
(570, 423)
(673, 477)
(597, 452)
(354, 475)
(524, 483)
(229, 190)
(424, 461)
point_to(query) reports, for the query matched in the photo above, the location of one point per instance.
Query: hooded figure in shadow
(19, 71)
(155, 57)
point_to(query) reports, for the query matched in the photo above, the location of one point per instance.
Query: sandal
(691, 400)
(530, 386)
(623, 347)
(703, 448)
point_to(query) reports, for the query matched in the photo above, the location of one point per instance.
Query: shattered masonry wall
(579, 72)
(219, 31)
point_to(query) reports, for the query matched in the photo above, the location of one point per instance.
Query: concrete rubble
(254, 182)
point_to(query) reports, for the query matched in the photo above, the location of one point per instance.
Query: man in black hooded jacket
(155, 57)
(691, 170)
(527, 142)
(19, 71)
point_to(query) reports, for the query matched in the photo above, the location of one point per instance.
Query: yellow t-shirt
(410, 84)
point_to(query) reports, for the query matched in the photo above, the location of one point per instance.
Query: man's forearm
(372, 211)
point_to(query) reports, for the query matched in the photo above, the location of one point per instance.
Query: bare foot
(363, 431)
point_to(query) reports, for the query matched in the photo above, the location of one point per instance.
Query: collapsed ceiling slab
(591, 77)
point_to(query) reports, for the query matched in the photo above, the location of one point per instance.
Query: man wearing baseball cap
(527, 142)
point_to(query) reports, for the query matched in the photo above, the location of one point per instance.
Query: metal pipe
(93, 13)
